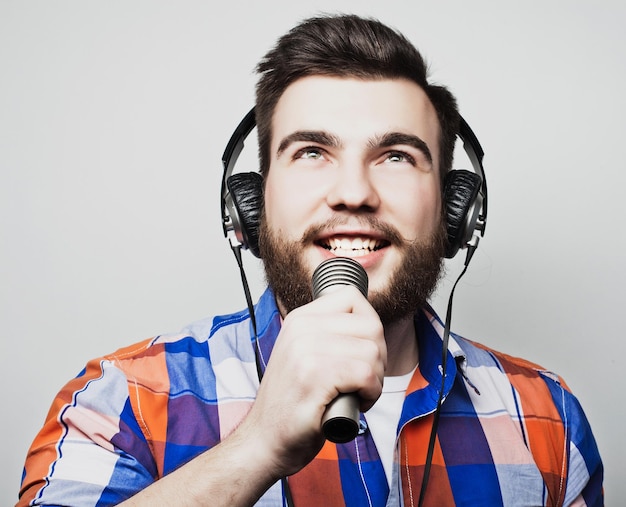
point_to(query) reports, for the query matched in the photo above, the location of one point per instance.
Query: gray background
(113, 118)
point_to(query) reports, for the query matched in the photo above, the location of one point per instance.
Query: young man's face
(354, 172)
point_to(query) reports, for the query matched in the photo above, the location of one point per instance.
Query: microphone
(340, 422)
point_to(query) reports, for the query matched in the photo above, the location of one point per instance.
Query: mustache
(389, 232)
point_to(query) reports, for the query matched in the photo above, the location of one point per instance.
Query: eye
(398, 157)
(309, 153)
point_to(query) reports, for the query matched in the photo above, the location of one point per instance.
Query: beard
(408, 289)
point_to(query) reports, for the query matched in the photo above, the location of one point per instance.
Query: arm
(235, 472)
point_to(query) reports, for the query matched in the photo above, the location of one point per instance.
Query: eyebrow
(308, 136)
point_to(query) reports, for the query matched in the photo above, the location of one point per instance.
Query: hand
(332, 345)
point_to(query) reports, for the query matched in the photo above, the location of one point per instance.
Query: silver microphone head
(339, 271)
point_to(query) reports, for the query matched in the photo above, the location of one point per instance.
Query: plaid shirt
(510, 433)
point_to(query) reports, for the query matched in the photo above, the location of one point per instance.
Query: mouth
(352, 246)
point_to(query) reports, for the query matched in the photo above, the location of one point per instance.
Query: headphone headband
(475, 153)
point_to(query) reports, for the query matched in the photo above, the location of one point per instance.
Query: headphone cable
(257, 347)
(444, 366)
(246, 289)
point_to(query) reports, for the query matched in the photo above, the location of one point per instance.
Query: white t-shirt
(382, 418)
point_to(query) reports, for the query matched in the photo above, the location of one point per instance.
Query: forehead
(355, 110)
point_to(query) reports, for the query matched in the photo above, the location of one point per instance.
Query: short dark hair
(347, 46)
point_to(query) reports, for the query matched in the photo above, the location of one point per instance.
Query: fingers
(340, 336)
(342, 298)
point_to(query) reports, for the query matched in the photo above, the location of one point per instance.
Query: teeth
(352, 246)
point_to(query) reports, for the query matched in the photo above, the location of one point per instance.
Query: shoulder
(478, 355)
(190, 344)
(174, 362)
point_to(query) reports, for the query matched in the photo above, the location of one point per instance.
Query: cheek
(285, 207)
(272, 205)
(418, 212)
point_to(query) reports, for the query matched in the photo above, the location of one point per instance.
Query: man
(354, 147)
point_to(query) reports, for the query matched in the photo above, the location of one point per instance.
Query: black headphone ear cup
(246, 193)
(460, 192)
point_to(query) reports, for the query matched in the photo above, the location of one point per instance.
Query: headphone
(464, 196)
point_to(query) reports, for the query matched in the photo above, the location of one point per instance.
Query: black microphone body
(340, 423)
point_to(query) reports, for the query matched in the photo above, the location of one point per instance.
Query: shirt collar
(428, 326)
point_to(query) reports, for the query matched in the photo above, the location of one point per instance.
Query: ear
(460, 191)
(245, 192)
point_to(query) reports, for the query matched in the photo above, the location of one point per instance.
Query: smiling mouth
(352, 246)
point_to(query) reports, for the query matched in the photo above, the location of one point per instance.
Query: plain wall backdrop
(113, 119)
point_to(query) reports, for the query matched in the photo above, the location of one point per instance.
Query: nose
(353, 189)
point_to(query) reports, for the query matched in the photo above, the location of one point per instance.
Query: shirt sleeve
(92, 450)
(585, 470)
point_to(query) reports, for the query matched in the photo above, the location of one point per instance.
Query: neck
(402, 351)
